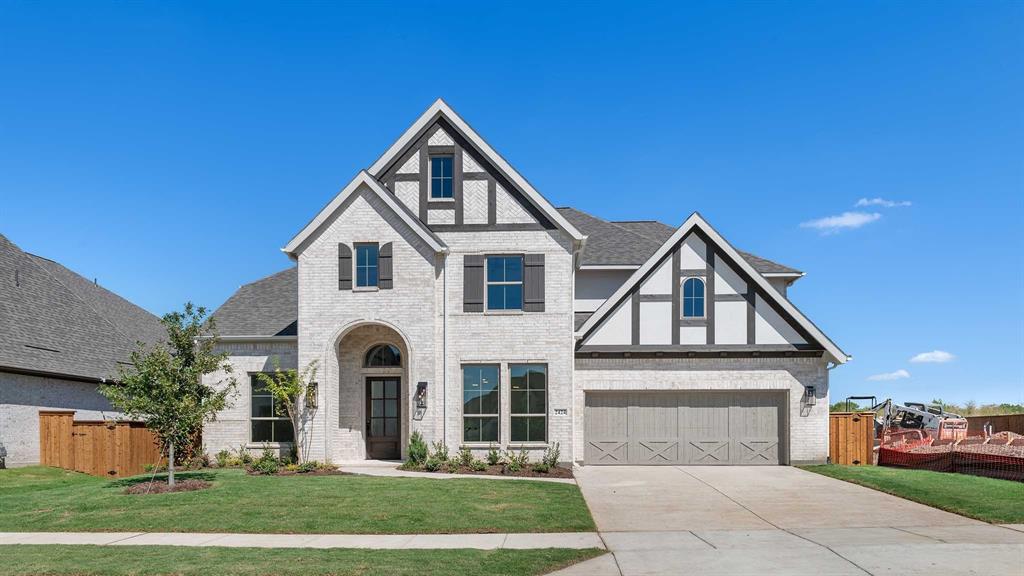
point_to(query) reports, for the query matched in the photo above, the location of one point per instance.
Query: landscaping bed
(54, 500)
(162, 487)
(158, 560)
(497, 470)
(987, 499)
(437, 458)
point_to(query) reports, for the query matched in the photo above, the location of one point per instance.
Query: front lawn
(151, 560)
(48, 499)
(988, 499)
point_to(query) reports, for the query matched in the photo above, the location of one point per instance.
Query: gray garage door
(711, 428)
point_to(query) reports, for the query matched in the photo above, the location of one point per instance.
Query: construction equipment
(932, 419)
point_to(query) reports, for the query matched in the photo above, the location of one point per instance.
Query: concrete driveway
(778, 520)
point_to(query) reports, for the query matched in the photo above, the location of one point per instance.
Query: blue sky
(171, 150)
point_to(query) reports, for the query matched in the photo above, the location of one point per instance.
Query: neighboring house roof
(695, 221)
(364, 179)
(441, 109)
(632, 242)
(53, 321)
(266, 307)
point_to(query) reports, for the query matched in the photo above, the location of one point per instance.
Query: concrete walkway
(390, 469)
(778, 520)
(576, 540)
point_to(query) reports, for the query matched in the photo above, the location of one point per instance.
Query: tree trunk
(297, 440)
(170, 464)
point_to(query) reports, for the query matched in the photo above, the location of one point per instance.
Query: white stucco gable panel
(617, 330)
(770, 328)
(730, 322)
(655, 323)
(693, 253)
(727, 280)
(660, 282)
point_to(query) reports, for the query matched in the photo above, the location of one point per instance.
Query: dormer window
(693, 298)
(367, 256)
(441, 177)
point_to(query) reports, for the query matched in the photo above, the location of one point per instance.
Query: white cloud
(897, 375)
(844, 221)
(935, 356)
(881, 202)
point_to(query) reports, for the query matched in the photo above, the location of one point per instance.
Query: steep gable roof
(54, 321)
(266, 307)
(611, 243)
(363, 179)
(696, 222)
(440, 109)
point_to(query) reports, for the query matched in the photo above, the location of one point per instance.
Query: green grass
(48, 499)
(988, 499)
(150, 560)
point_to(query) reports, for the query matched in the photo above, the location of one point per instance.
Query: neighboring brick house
(439, 292)
(60, 335)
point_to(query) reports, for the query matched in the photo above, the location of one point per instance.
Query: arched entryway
(373, 361)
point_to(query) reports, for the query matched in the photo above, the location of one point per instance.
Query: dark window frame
(368, 361)
(694, 298)
(442, 178)
(504, 282)
(360, 248)
(529, 393)
(274, 419)
(481, 416)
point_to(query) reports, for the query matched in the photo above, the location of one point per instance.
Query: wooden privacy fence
(1001, 423)
(851, 437)
(101, 448)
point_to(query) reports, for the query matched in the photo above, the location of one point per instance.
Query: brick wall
(808, 426)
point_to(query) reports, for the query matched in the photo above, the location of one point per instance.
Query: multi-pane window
(693, 298)
(366, 264)
(441, 177)
(529, 402)
(383, 356)
(269, 423)
(504, 282)
(480, 403)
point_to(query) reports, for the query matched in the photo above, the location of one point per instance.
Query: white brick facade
(807, 425)
(21, 399)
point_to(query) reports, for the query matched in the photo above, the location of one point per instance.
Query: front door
(383, 417)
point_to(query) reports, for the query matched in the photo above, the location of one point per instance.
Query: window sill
(365, 288)
(432, 199)
(271, 445)
(503, 312)
(527, 446)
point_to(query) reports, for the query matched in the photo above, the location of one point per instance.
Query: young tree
(164, 386)
(292, 393)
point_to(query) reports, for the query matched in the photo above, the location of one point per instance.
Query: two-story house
(440, 292)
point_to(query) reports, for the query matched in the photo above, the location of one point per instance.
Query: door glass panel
(391, 408)
(391, 388)
(378, 408)
(377, 427)
(376, 389)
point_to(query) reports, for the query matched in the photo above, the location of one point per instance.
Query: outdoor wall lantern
(311, 394)
(421, 394)
(809, 398)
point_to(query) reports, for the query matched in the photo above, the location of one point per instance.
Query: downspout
(444, 350)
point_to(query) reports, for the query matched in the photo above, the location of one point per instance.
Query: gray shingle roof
(266, 307)
(53, 320)
(607, 240)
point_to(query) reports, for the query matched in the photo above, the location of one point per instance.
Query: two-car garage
(699, 427)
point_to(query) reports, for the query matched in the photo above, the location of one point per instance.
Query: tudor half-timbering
(439, 292)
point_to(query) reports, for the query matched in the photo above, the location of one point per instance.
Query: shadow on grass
(184, 475)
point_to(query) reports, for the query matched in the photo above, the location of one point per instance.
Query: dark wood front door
(383, 418)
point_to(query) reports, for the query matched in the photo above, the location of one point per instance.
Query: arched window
(693, 298)
(383, 356)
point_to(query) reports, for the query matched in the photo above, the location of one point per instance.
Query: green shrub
(267, 463)
(552, 455)
(244, 457)
(493, 455)
(223, 458)
(541, 467)
(478, 465)
(432, 464)
(515, 462)
(465, 456)
(453, 466)
(308, 466)
(441, 451)
(417, 449)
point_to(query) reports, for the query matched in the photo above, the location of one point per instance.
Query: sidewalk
(576, 540)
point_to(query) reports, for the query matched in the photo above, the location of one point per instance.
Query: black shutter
(385, 274)
(344, 267)
(533, 283)
(472, 283)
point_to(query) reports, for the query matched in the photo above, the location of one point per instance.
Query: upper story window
(441, 177)
(504, 282)
(693, 298)
(366, 264)
(383, 356)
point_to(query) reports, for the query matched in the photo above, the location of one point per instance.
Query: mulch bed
(499, 470)
(297, 473)
(162, 487)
